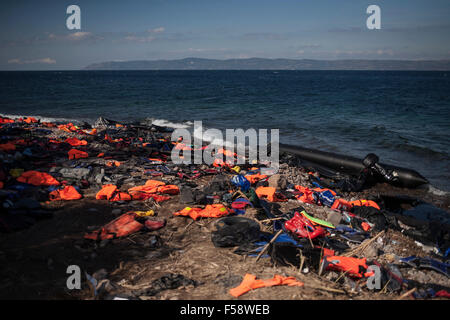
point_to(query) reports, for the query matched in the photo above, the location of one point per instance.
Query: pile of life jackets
(210, 211)
(37, 178)
(149, 190)
(6, 120)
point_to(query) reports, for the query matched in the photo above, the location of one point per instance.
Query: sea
(402, 116)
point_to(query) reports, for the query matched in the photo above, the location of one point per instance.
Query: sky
(34, 35)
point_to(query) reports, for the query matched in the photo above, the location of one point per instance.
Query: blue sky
(33, 34)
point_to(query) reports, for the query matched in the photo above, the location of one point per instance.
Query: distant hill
(271, 64)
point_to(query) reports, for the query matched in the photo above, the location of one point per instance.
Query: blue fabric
(241, 182)
(326, 198)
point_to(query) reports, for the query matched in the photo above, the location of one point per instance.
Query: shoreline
(182, 246)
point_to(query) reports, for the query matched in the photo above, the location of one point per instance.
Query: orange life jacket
(365, 203)
(169, 189)
(74, 142)
(354, 267)
(341, 204)
(210, 211)
(120, 227)
(269, 192)
(106, 192)
(7, 146)
(37, 178)
(250, 282)
(67, 193)
(113, 163)
(306, 196)
(77, 154)
(254, 178)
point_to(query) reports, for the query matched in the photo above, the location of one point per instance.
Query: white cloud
(157, 30)
(42, 61)
(79, 35)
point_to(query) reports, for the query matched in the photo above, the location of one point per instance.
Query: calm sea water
(404, 117)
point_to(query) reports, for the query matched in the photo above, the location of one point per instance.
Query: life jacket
(30, 120)
(303, 228)
(154, 183)
(113, 163)
(49, 124)
(269, 193)
(220, 163)
(151, 186)
(365, 203)
(74, 142)
(250, 283)
(354, 267)
(67, 193)
(306, 195)
(210, 211)
(168, 189)
(254, 178)
(77, 154)
(227, 153)
(145, 196)
(154, 225)
(120, 196)
(37, 178)
(341, 204)
(120, 227)
(7, 146)
(6, 120)
(111, 193)
(106, 192)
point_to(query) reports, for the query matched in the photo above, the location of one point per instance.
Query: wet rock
(277, 181)
(100, 274)
(75, 173)
(116, 212)
(334, 218)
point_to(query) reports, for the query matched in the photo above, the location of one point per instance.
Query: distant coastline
(273, 64)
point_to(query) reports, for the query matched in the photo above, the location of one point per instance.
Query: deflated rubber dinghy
(396, 175)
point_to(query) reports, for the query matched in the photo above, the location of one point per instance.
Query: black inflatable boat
(353, 166)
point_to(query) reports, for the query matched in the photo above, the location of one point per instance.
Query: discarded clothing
(427, 263)
(235, 231)
(241, 182)
(166, 282)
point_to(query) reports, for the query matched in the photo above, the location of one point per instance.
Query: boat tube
(350, 165)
